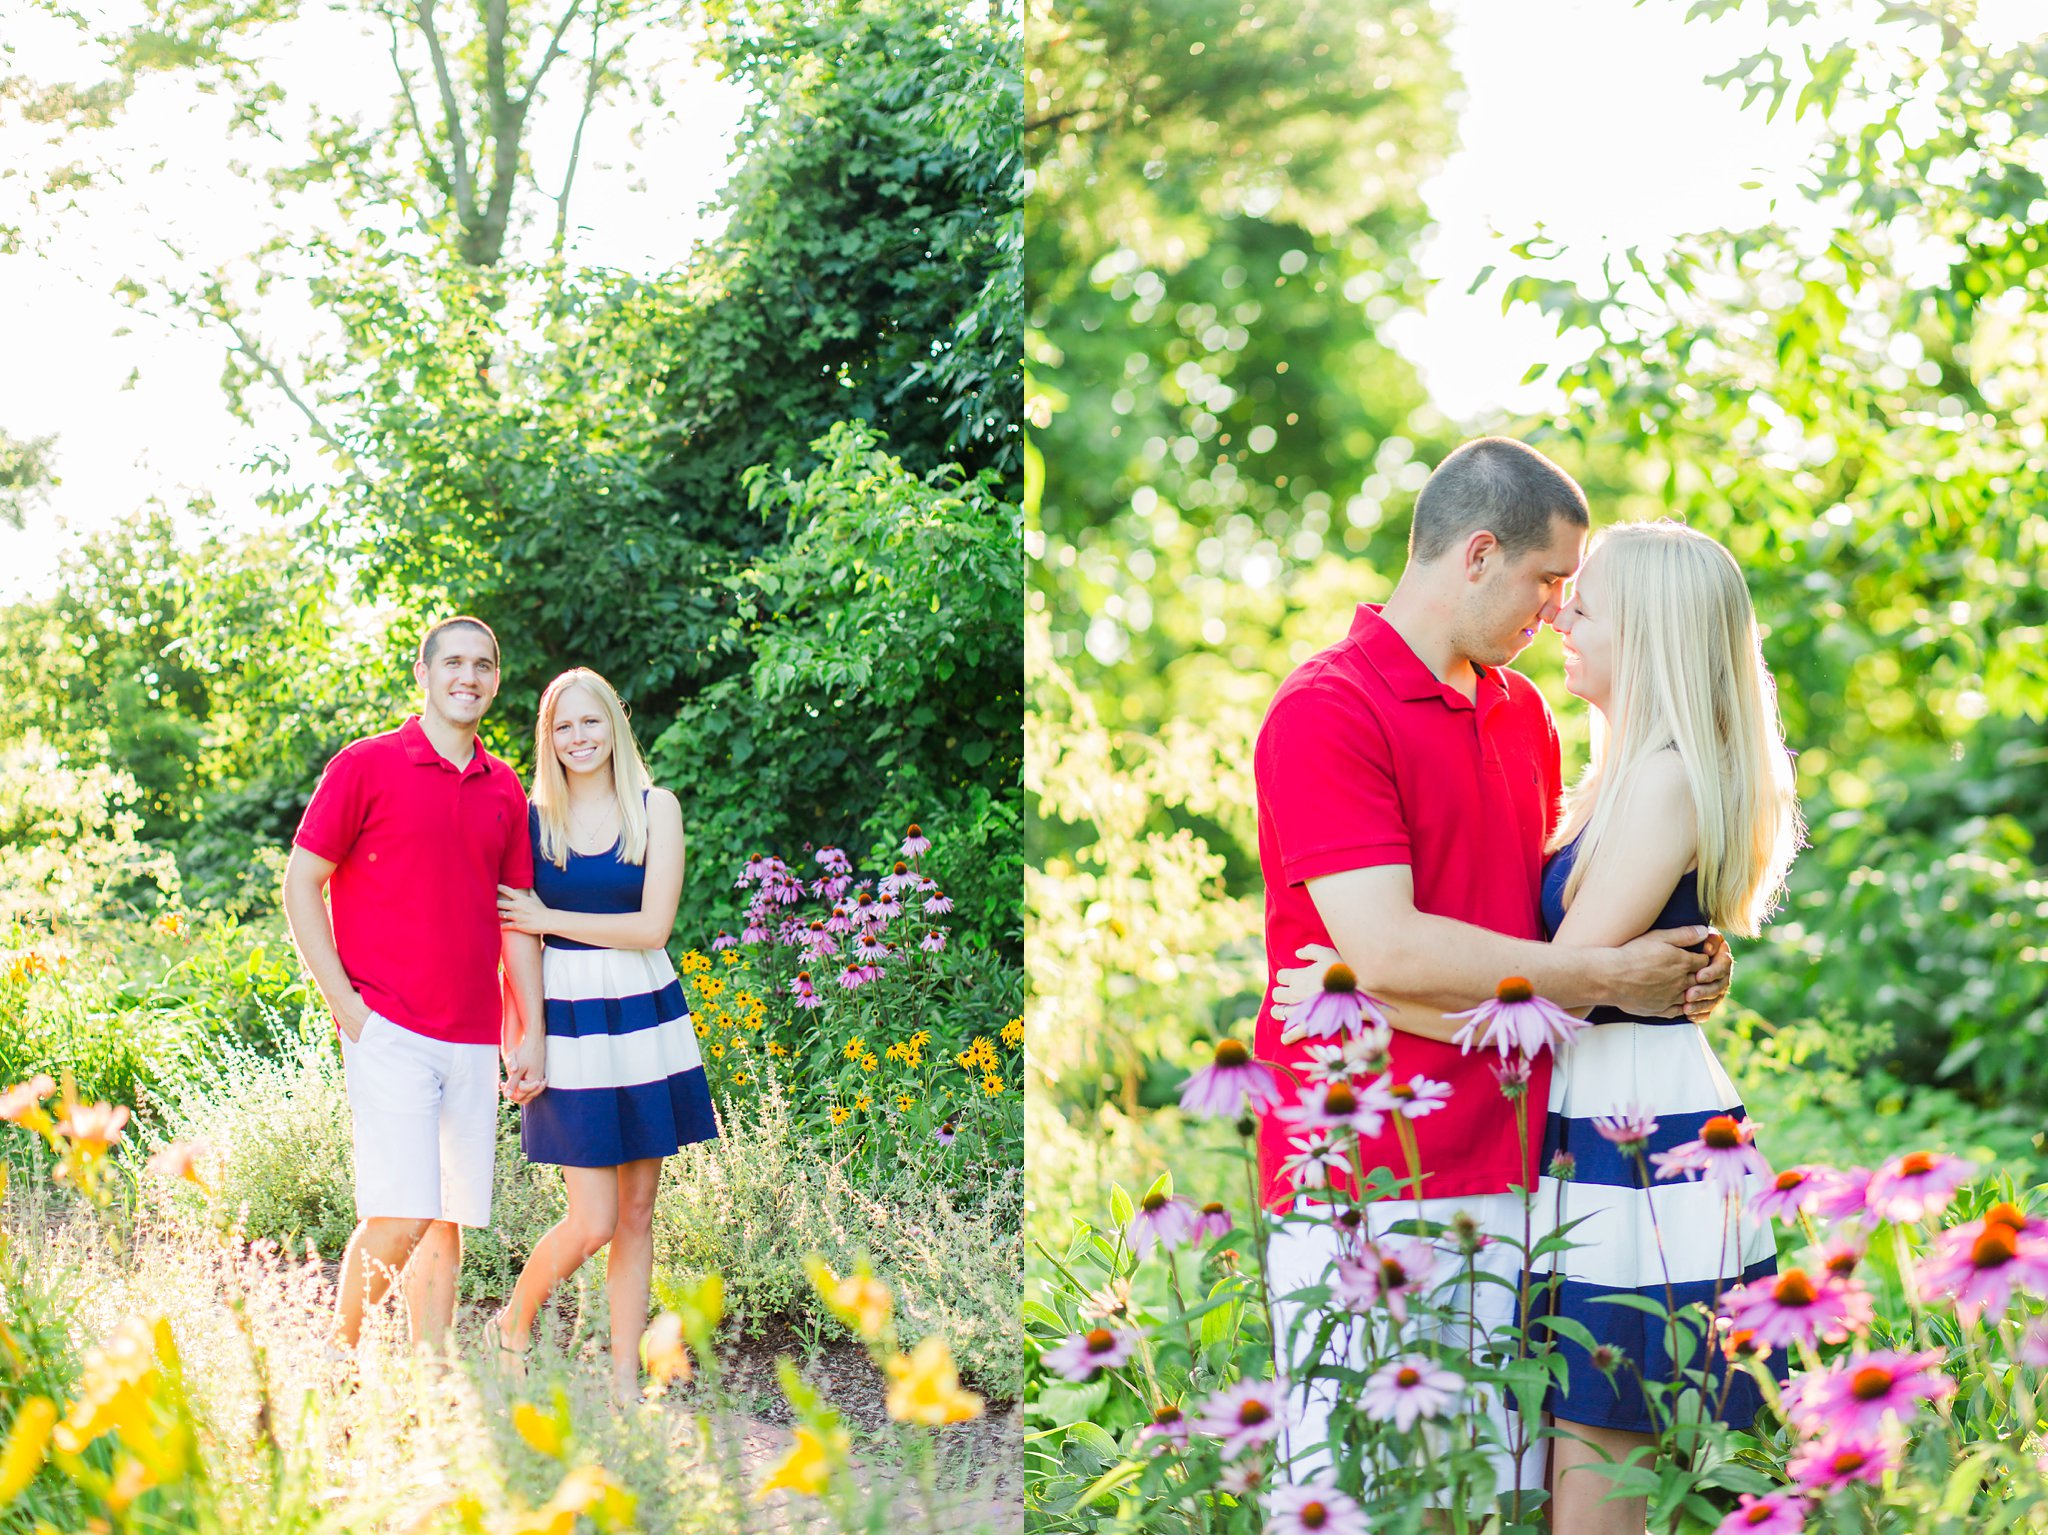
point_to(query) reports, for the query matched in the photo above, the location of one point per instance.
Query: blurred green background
(1223, 236)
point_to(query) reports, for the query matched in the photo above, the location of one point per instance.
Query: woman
(1685, 815)
(625, 1086)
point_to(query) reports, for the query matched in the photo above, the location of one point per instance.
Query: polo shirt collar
(419, 751)
(1403, 670)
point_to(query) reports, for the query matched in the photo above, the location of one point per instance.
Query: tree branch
(555, 49)
(437, 173)
(451, 111)
(248, 347)
(590, 80)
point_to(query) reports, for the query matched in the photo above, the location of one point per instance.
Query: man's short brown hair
(1498, 484)
(460, 621)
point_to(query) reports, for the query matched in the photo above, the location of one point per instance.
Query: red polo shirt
(420, 847)
(1366, 759)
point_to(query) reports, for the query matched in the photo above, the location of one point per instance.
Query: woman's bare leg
(629, 1270)
(1579, 1505)
(568, 1245)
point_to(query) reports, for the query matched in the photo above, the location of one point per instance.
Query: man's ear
(1481, 549)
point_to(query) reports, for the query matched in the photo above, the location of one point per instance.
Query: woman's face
(583, 734)
(1587, 626)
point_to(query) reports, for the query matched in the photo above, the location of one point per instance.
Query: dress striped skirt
(625, 1080)
(1677, 1243)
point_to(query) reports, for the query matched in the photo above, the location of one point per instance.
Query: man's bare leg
(376, 1254)
(430, 1284)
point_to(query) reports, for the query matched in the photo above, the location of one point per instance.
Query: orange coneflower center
(1232, 1053)
(1870, 1383)
(1100, 1340)
(1166, 1415)
(1757, 1513)
(1401, 1090)
(1313, 1515)
(1995, 1247)
(1252, 1414)
(1152, 1202)
(1843, 1264)
(1408, 1376)
(1916, 1164)
(1794, 1289)
(1514, 989)
(914, 831)
(866, 899)
(901, 868)
(803, 975)
(1340, 977)
(1392, 1275)
(1721, 1133)
(2004, 1214)
(1340, 1099)
(1849, 1462)
(1213, 1207)
(1741, 1341)
(1789, 1181)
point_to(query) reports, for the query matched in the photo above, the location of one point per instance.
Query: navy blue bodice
(1681, 910)
(593, 882)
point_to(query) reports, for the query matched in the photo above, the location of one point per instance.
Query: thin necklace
(581, 832)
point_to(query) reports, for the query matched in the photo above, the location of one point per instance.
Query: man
(1407, 784)
(410, 833)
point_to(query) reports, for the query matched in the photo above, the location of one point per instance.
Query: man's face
(1514, 597)
(461, 677)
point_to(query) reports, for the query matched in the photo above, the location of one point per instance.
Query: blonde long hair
(630, 779)
(1689, 674)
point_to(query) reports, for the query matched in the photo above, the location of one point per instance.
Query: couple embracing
(438, 875)
(1412, 819)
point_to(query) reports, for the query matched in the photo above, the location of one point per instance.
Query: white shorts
(1300, 1255)
(425, 1116)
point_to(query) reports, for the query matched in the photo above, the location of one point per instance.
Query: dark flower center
(1794, 1289)
(1402, 1090)
(1916, 1164)
(2004, 1214)
(865, 899)
(1843, 1264)
(1758, 1513)
(1721, 1133)
(1213, 1207)
(1995, 1247)
(1788, 1181)
(1392, 1275)
(1514, 989)
(1870, 1383)
(901, 868)
(1252, 1414)
(1313, 1515)
(1167, 1416)
(1340, 1099)
(1849, 1462)
(1408, 1376)
(1152, 1203)
(1231, 1053)
(914, 831)
(1340, 977)
(1100, 1340)
(804, 976)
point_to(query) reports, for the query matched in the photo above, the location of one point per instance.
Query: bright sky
(141, 414)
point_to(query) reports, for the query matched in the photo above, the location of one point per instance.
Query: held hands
(522, 911)
(1298, 984)
(526, 1072)
(1661, 976)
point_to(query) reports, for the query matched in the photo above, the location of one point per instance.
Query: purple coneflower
(1212, 1221)
(1840, 1256)
(1358, 1055)
(1085, 1354)
(1779, 1513)
(755, 932)
(886, 908)
(1793, 1307)
(1516, 1022)
(1313, 1508)
(1166, 1219)
(1629, 1131)
(1169, 1426)
(818, 942)
(1858, 1395)
(1844, 1197)
(854, 977)
(1252, 1412)
(1842, 1459)
(868, 948)
(1724, 1153)
(1231, 1084)
(724, 940)
(1385, 1271)
(917, 844)
(756, 867)
(1340, 1007)
(933, 942)
(1513, 1076)
(1979, 1264)
(841, 921)
(828, 857)
(1318, 1161)
(1408, 1388)
(1417, 1096)
(1793, 1192)
(945, 1133)
(1339, 1105)
(937, 905)
(896, 879)
(1918, 1184)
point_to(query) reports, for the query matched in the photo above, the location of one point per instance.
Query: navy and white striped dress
(625, 1080)
(1666, 1067)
